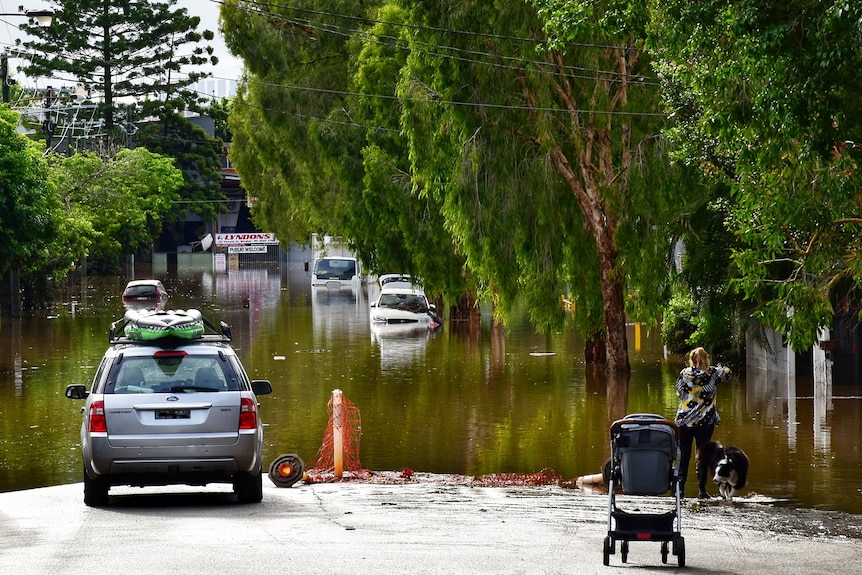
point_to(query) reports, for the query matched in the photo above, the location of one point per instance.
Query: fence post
(337, 432)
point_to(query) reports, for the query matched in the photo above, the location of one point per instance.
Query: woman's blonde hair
(699, 359)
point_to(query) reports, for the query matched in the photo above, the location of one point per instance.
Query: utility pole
(43, 18)
(4, 75)
(48, 124)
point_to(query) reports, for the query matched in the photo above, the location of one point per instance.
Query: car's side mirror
(261, 387)
(76, 391)
(432, 307)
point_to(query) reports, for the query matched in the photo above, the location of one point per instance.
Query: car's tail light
(97, 419)
(247, 414)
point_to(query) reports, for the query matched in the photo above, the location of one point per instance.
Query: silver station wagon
(168, 408)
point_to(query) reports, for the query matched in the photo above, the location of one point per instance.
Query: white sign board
(245, 239)
(260, 249)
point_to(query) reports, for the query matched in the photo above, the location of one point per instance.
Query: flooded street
(455, 400)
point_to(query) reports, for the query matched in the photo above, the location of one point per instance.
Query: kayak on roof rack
(149, 325)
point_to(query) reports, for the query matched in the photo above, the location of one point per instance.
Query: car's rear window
(142, 290)
(171, 373)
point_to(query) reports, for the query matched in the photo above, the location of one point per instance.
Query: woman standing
(696, 416)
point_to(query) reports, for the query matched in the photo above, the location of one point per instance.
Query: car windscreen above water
(407, 302)
(340, 268)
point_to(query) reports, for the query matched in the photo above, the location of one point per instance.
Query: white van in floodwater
(337, 272)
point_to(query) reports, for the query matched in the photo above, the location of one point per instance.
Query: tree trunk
(617, 353)
(465, 309)
(603, 228)
(595, 350)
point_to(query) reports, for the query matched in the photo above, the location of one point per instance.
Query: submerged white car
(402, 303)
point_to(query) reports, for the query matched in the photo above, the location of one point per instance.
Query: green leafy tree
(197, 155)
(219, 111)
(705, 297)
(765, 98)
(41, 238)
(123, 198)
(31, 214)
(123, 48)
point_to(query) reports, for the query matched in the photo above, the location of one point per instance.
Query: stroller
(644, 461)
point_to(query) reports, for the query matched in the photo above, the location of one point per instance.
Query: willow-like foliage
(546, 157)
(293, 141)
(453, 140)
(317, 137)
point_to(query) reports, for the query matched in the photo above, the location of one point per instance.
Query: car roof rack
(220, 333)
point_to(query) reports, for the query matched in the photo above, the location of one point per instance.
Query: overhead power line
(330, 121)
(414, 26)
(471, 55)
(453, 102)
(264, 9)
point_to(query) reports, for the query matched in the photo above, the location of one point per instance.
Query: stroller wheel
(680, 552)
(664, 552)
(606, 550)
(624, 551)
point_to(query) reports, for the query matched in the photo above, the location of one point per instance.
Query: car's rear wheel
(95, 491)
(248, 487)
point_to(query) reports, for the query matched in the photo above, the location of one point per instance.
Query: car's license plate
(173, 414)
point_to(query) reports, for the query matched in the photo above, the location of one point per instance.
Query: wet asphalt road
(430, 526)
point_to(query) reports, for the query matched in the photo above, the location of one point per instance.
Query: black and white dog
(728, 467)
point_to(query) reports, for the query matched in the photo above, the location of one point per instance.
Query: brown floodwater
(458, 400)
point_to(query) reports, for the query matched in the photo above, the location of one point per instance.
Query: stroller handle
(645, 419)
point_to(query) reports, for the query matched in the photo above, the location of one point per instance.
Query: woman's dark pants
(700, 435)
